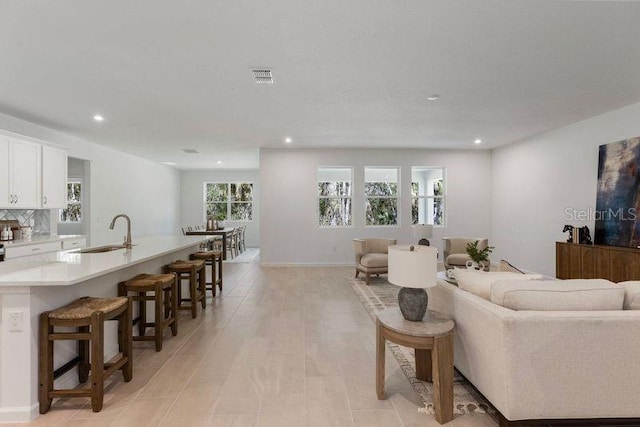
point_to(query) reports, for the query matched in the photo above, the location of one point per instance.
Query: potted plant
(479, 257)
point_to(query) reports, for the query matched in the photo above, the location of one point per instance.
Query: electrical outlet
(15, 321)
(333, 248)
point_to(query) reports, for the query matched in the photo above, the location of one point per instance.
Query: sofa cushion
(507, 266)
(631, 294)
(479, 282)
(558, 295)
(375, 260)
(458, 259)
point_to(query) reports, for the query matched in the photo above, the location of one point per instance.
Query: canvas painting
(618, 200)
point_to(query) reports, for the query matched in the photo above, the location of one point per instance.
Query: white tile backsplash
(41, 218)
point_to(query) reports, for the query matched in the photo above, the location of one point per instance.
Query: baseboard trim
(19, 414)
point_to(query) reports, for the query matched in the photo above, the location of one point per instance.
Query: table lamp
(414, 268)
(423, 232)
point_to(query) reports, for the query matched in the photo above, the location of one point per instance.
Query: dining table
(224, 232)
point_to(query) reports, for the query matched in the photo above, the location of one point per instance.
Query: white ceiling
(170, 74)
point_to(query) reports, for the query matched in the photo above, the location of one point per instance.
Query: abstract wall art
(618, 200)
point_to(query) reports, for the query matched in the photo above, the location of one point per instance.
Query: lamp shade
(415, 268)
(422, 231)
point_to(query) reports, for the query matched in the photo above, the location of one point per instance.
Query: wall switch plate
(15, 320)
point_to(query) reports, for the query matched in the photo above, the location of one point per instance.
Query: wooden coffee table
(432, 340)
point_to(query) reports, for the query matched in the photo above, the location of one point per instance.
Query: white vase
(473, 265)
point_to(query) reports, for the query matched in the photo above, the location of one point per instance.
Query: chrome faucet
(127, 240)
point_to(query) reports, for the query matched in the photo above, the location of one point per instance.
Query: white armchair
(372, 256)
(455, 250)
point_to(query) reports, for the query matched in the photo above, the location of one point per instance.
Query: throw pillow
(479, 282)
(558, 295)
(507, 266)
(631, 294)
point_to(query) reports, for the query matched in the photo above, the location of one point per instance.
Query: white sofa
(545, 364)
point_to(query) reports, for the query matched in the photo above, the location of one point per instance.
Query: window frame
(397, 197)
(443, 197)
(71, 180)
(319, 197)
(228, 200)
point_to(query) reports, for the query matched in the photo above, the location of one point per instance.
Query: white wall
(192, 198)
(536, 180)
(291, 234)
(120, 183)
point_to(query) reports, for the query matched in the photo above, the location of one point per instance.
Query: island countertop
(70, 267)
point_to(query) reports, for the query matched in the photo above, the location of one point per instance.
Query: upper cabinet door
(54, 178)
(24, 178)
(5, 199)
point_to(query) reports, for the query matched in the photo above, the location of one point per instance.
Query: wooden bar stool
(88, 316)
(193, 271)
(214, 258)
(164, 288)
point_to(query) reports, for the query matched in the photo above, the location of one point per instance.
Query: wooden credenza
(574, 261)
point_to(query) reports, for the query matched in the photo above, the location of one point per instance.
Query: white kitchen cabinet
(54, 178)
(4, 172)
(36, 249)
(24, 174)
(78, 242)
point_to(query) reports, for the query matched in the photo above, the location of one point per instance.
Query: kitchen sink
(101, 249)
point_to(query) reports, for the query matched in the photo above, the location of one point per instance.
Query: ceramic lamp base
(413, 303)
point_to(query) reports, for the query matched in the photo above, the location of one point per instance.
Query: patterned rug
(380, 295)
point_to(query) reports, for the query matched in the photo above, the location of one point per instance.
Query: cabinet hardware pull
(37, 249)
(45, 200)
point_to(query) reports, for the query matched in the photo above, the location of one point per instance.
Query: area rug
(380, 295)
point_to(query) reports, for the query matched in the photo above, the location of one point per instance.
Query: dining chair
(241, 245)
(232, 243)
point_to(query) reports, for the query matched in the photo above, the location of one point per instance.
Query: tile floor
(280, 347)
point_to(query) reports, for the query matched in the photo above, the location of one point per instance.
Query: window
(334, 196)
(381, 192)
(73, 211)
(229, 201)
(427, 196)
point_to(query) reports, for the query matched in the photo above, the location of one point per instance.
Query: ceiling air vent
(263, 76)
(190, 150)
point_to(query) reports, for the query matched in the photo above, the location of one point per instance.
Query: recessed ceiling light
(477, 141)
(98, 118)
(288, 140)
(219, 162)
(168, 163)
(433, 97)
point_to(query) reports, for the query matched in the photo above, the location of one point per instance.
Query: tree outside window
(73, 211)
(428, 195)
(381, 191)
(334, 196)
(233, 201)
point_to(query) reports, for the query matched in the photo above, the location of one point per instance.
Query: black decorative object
(585, 236)
(568, 228)
(413, 303)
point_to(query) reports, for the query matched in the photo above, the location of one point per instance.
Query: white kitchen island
(31, 285)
